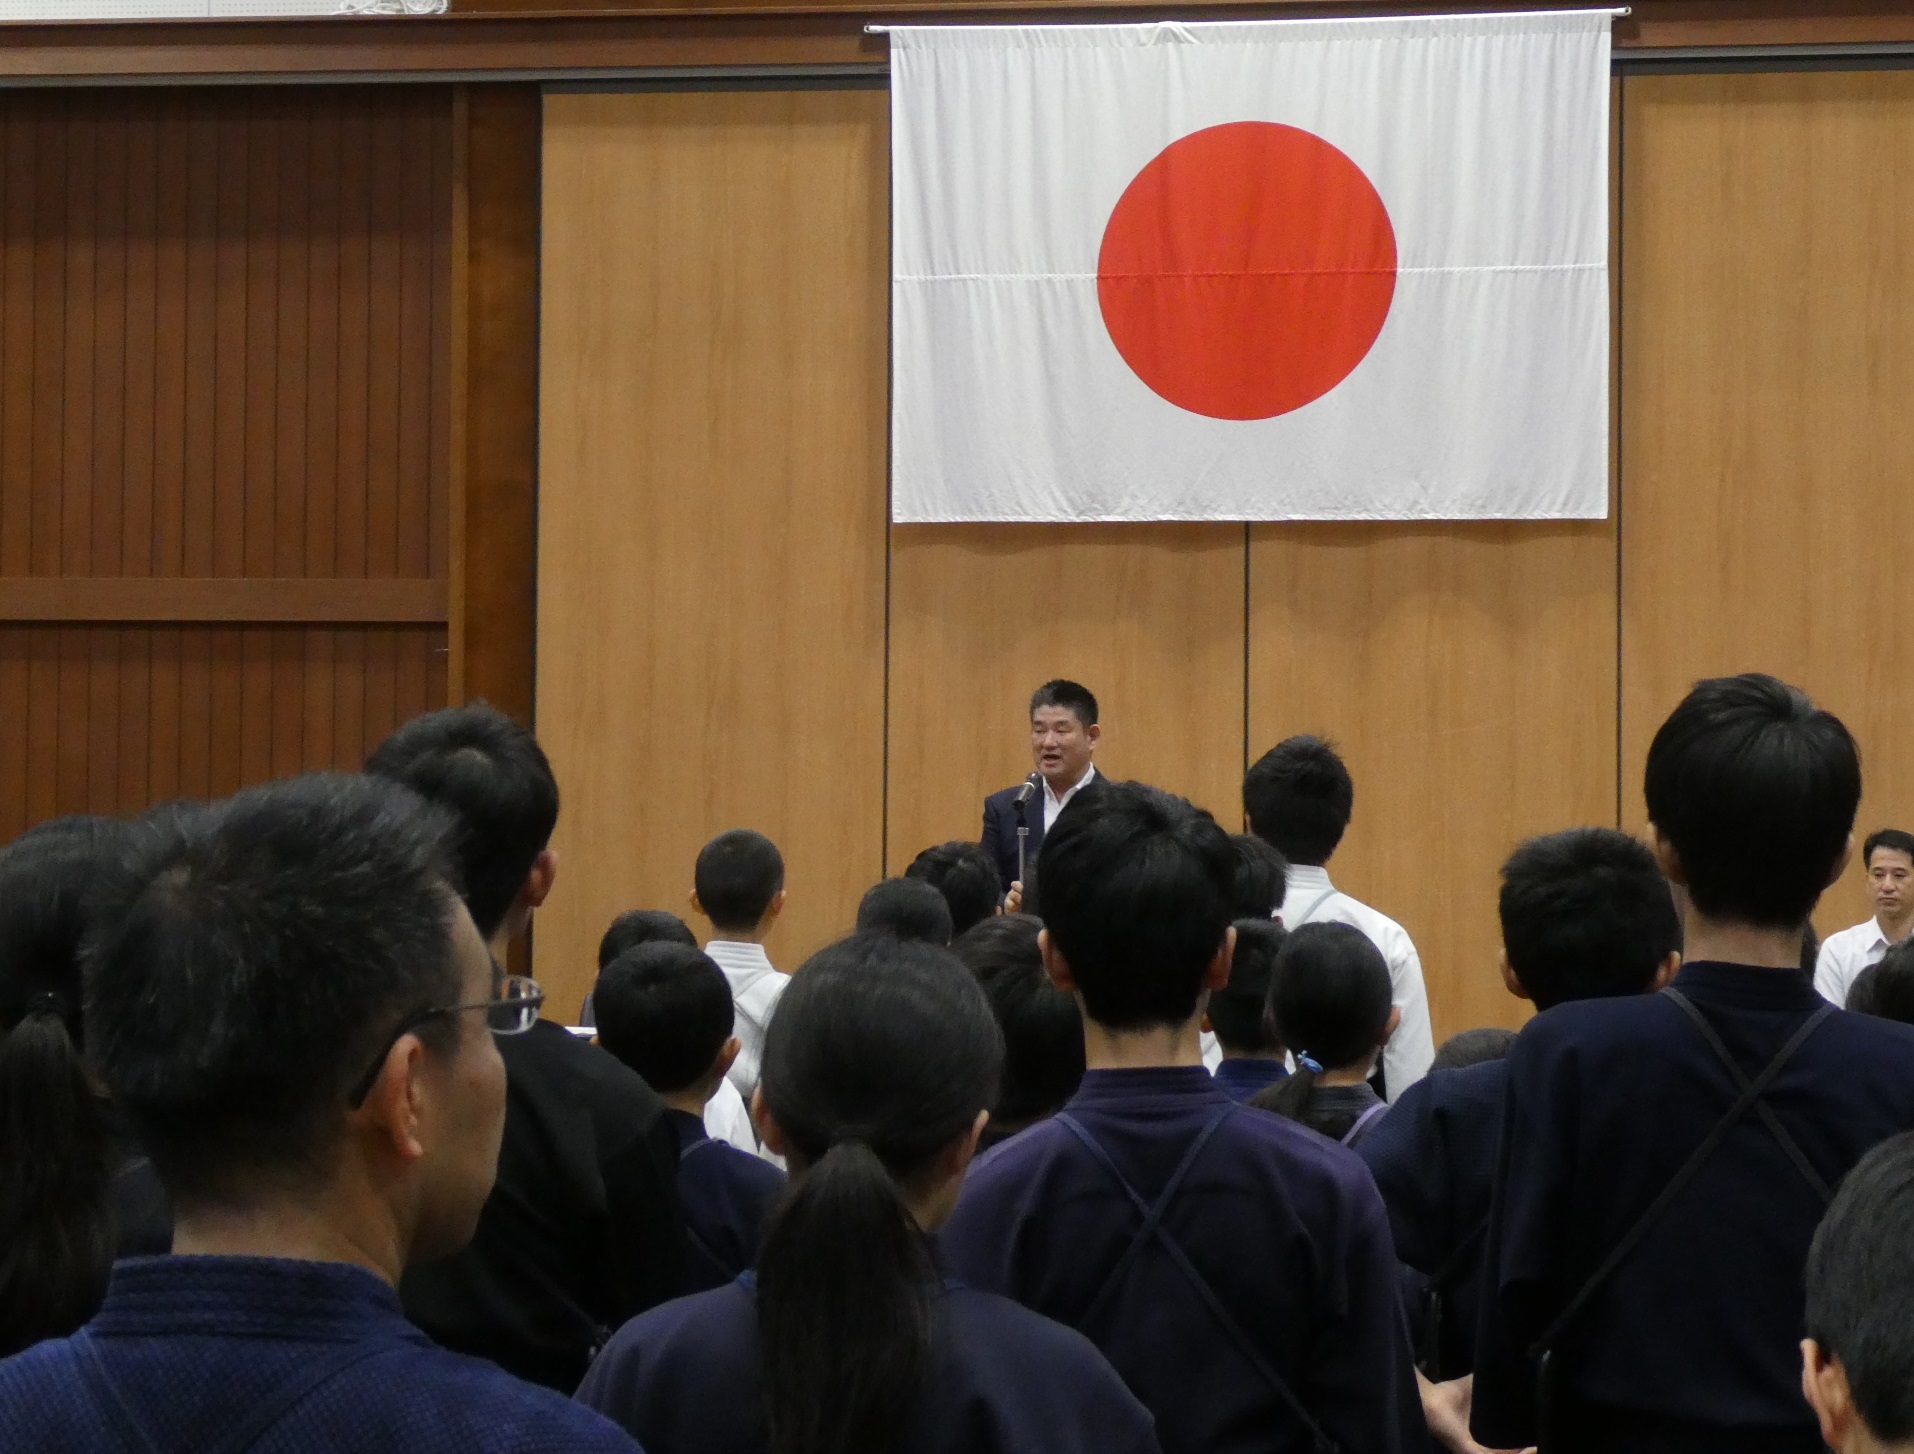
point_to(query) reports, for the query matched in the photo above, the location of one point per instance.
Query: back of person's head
(56, 1233)
(1586, 914)
(491, 778)
(1136, 898)
(908, 908)
(1298, 797)
(1860, 1310)
(1473, 1047)
(1890, 992)
(1331, 1005)
(1073, 697)
(879, 1060)
(665, 1010)
(1860, 1000)
(1239, 1012)
(1261, 877)
(643, 926)
(964, 874)
(738, 876)
(1042, 1027)
(271, 991)
(1755, 789)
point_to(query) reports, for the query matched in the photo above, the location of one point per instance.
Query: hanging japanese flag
(1262, 270)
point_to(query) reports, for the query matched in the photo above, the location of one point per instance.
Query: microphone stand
(1023, 837)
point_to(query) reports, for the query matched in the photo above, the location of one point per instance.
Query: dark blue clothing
(1001, 1380)
(1692, 1344)
(1002, 815)
(1433, 1157)
(726, 1194)
(1285, 1228)
(1241, 1079)
(196, 1347)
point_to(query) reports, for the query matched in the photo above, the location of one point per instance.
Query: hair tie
(1308, 1061)
(48, 1003)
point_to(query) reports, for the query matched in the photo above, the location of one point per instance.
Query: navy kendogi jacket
(727, 1195)
(1693, 1344)
(1284, 1228)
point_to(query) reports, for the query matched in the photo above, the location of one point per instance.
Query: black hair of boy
(665, 1010)
(281, 934)
(1262, 877)
(1239, 1012)
(1890, 990)
(964, 874)
(1042, 1027)
(1473, 1047)
(908, 908)
(1298, 797)
(1136, 898)
(643, 926)
(1897, 839)
(493, 780)
(1755, 789)
(1072, 697)
(56, 1224)
(1586, 914)
(1860, 1280)
(738, 874)
(1860, 1000)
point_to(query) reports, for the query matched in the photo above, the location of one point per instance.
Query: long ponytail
(1329, 1000)
(880, 1056)
(56, 1232)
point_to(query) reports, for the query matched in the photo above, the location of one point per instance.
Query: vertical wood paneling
(224, 340)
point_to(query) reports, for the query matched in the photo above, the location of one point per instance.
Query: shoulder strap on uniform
(1354, 1133)
(1309, 913)
(106, 1394)
(281, 1401)
(1750, 1094)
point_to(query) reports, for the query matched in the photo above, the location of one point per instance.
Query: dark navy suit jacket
(1001, 817)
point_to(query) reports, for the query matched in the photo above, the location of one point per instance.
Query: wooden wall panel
(224, 403)
(1767, 428)
(1468, 674)
(711, 499)
(1149, 617)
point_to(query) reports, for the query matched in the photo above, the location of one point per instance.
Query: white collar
(1307, 876)
(1050, 793)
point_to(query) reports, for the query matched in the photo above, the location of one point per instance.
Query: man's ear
(1054, 964)
(696, 907)
(1094, 732)
(538, 883)
(394, 1111)
(775, 907)
(727, 1057)
(1395, 1024)
(1841, 866)
(769, 1131)
(1666, 857)
(1824, 1382)
(1511, 981)
(1670, 967)
(1217, 976)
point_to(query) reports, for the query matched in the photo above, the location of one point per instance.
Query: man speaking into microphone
(1063, 740)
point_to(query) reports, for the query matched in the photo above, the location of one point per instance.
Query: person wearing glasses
(584, 1229)
(300, 1022)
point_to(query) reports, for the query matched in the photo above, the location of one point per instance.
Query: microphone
(1028, 790)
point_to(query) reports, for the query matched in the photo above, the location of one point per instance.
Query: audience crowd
(1163, 1157)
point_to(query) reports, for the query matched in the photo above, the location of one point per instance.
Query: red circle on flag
(1246, 270)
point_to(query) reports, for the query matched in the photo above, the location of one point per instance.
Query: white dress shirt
(1053, 805)
(727, 1118)
(1313, 899)
(755, 987)
(1844, 955)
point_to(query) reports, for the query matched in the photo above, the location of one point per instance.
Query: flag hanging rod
(1618, 11)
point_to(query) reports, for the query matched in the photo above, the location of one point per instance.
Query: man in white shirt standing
(1063, 745)
(739, 886)
(1298, 798)
(1889, 860)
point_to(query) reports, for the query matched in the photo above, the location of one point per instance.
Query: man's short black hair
(907, 908)
(1897, 839)
(1074, 698)
(1889, 989)
(1755, 788)
(964, 874)
(1042, 1027)
(1239, 1013)
(1298, 797)
(665, 1010)
(1473, 1047)
(1861, 1287)
(738, 874)
(253, 959)
(1262, 877)
(643, 926)
(1586, 914)
(492, 779)
(1136, 896)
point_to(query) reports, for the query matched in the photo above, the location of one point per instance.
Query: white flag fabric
(1251, 270)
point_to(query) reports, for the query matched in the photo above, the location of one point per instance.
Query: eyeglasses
(513, 1011)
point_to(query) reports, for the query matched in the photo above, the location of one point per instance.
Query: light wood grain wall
(712, 499)
(1768, 407)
